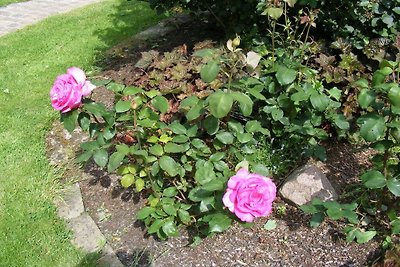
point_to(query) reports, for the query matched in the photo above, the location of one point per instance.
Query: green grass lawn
(30, 232)
(6, 2)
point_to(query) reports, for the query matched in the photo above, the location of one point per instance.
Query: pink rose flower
(68, 90)
(249, 195)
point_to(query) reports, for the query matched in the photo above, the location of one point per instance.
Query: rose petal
(239, 176)
(245, 217)
(78, 74)
(87, 88)
(227, 201)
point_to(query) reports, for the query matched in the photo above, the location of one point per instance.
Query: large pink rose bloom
(249, 195)
(68, 90)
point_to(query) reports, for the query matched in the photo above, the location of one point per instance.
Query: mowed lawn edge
(31, 234)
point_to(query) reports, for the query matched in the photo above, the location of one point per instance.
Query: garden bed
(291, 243)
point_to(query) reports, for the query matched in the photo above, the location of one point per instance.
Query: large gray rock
(306, 183)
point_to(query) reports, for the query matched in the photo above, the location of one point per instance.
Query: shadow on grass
(90, 260)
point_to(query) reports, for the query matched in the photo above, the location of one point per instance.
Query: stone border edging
(87, 235)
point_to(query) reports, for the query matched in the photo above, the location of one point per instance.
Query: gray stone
(29, 12)
(306, 183)
(70, 205)
(88, 237)
(86, 234)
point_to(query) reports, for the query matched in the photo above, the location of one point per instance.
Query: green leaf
(380, 75)
(274, 12)
(366, 97)
(319, 101)
(270, 225)
(157, 224)
(394, 186)
(219, 223)
(174, 148)
(220, 104)
(132, 90)
(122, 106)
(225, 137)
(211, 124)
(170, 209)
(261, 169)
(244, 137)
(214, 185)
(101, 157)
(341, 122)
(156, 150)
(160, 103)
(335, 93)
(189, 101)
(177, 128)
(139, 184)
(335, 213)
(123, 148)
(372, 127)
(115, 87)
(217, 156)
(144, 213)
(169, 165)
(127, 180)
(197, 194)
(84, 156)
(373, 179)
(317, 219)
(170, 191)
(256, 94)
(245, 103)
(115, 160)
(180, 139)
(184, 216)
(235, 126)
(209, 71)
(395, 226)
(207, 52)
(169, 228)
(194, 112)
(285, 75)
(207, 204)
(84, 121)
(276, 113)
(351, 234)
(253, 126)
(394, 95)
(205, 173)
(95, 109)
(69, 120)
(364, 237)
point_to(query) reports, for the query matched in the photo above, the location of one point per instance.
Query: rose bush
(68, 90)
(249, 195)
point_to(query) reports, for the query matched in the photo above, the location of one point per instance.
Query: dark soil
(292, 243)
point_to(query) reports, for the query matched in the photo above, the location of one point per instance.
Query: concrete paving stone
(71, 204)
(86, 234)
(30, 12)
